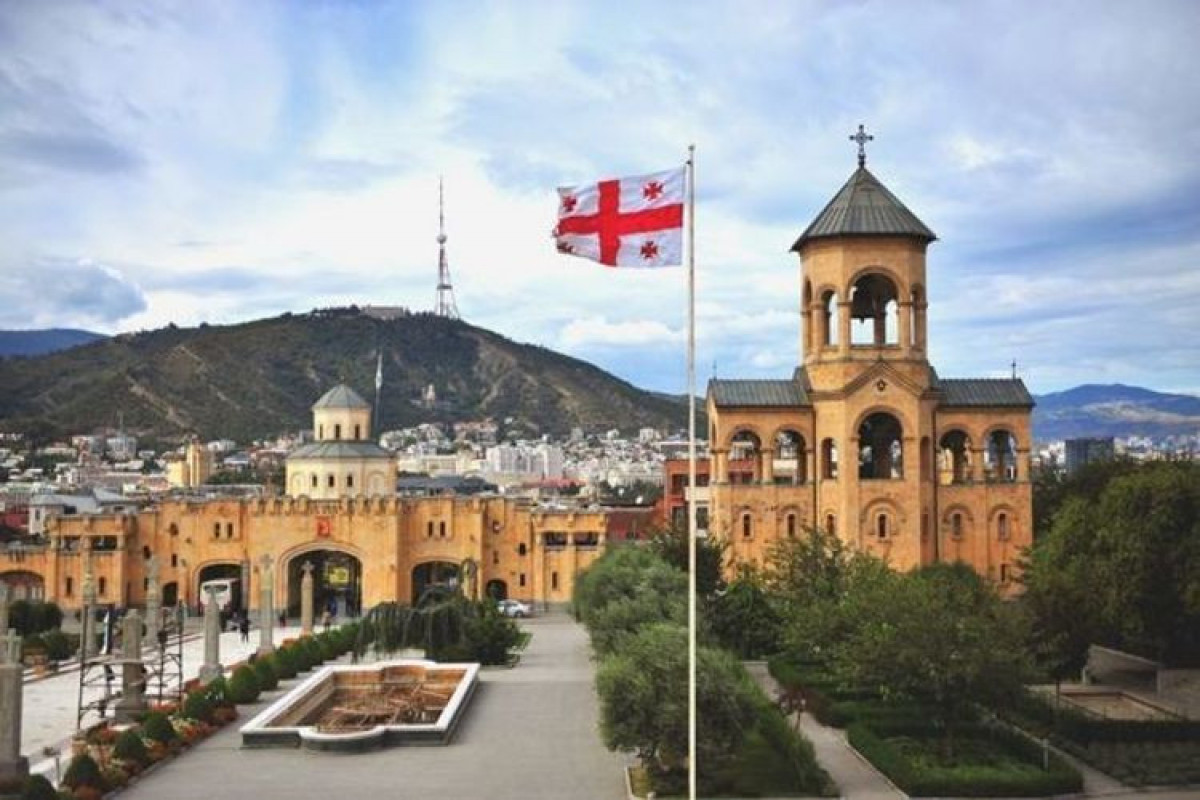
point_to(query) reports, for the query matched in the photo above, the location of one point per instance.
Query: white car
(513, 608)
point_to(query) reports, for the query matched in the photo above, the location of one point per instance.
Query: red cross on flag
(626, 222)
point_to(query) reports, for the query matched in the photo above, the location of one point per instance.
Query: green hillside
(260, 378)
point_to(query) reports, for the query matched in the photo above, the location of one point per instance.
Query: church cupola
(341, 415)
(863, 269)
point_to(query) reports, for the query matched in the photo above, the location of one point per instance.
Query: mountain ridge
(41, 341)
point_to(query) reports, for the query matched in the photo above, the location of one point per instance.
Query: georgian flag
(626, 222)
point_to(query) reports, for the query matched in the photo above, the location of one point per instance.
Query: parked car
(513, 608)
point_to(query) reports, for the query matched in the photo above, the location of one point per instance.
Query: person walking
(244, 626)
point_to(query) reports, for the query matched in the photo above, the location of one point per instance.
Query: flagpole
(691, 390)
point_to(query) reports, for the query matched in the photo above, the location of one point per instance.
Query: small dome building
(343, 461)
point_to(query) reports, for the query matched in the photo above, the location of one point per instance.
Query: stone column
(306, 600)
(88, 635)
(211, 669)
(766, 459)
(13, 768)
(133, 674)
(266, 607)
(153, 602)
(3, 610)
(844, 328)
(906, 332)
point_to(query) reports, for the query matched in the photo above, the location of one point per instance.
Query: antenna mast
(446, 307)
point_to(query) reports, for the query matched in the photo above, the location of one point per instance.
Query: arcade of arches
(865, 439)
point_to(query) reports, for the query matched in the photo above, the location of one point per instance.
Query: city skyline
(219, 163)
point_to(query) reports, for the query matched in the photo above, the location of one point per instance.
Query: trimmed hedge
(283, 661)
(83, 771)
(197, 706)
(964, 781)
(1084, 729)
(264, 671)
(159, 728)
(243, 686)
(129, 747)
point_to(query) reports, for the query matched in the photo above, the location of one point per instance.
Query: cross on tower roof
(861, 138)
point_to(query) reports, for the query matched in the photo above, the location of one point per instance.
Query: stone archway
(497, 589)
(434, 575)
(337, 582)
(24, 585)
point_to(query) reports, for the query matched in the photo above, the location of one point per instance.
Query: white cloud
(599, 331)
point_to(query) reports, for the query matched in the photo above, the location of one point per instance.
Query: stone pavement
(854, 776)
(530, 733)
(49, 711)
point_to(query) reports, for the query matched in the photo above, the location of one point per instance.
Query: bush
(83, 771)
(964, 780)
(284, 663)
(34, 616)
(159, 728)
(490, 635)
(217, 692)
(59, 646)
(328, 646)
(243, 687)
(129, 747)
(197, 706)
(37, 787)
(264, 671)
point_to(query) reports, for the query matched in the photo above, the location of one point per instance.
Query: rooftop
(864, 207)
(341, 396)
(779, 393)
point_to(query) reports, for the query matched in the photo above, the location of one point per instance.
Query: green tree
(743, 619)
(940, 636)
(671, 545)
(643, 702)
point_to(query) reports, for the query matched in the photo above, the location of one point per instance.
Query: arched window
(103, 584)
(830, 524)
(174, 559)
(442, 529)
(829, 318)
(522, 550)
(429, 529)
(320, 431)
(954, 458)
(146, 552)
(1000, 458)
(881, 526)
(747, 526)
(874, 312)
(745, 457)
(216, 530)
(314, 481)
(880, 454)
(1002, 527)
(956, 525)
(331, 481)
(349, 481)
(357, 432)
(228, 530)
(829, 459)
(791, 526)
(70, 587)
(791, 458)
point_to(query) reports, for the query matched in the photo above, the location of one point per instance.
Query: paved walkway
(49, 709)
(529, 734)
(853, 775)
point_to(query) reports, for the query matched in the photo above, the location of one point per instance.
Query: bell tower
(863, 282)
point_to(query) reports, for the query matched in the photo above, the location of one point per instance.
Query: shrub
(243, 687)
(217, 692)
(37, 787)
(197, 706)
(129, 747)
(157, 727)
(264, 671)
(58, 646)
(328, 646)
(284, 663)
(34, 616)
(83, 771)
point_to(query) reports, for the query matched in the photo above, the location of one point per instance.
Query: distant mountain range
(40, 342)
(1113, 410)
(258, 379)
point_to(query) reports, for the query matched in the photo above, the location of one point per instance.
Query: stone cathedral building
(865, 439)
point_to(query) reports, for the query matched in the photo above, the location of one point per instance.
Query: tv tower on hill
(446, 307)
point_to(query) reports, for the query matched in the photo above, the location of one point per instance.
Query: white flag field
(624, 222)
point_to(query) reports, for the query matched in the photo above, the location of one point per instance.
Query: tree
(643, 702)
(940, 636)
(743, 619)
(671, 545)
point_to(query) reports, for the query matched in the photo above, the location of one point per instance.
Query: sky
(219, 162)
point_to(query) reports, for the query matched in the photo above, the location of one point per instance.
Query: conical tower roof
(864, 207)
(341, 396)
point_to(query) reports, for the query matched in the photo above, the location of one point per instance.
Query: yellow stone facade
(865, 439)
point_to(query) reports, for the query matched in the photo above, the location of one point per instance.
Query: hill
(1114, 410)
(40, 342)
(258, 379)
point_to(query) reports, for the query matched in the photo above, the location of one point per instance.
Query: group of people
(242, 619)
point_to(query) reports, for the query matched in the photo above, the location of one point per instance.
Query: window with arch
(829, 318)
(874, 311)
(442, 529)
(70, 586)
(146, 552)
(1000, 458)
(954, 458)
(791, 458)
(349, 481)
(956, 525)
(174, 560)
(337, 431)
(320, 431)
(1002, 526)
(829, 459)
(228, 530)
(429, 529)
(881, 526)
(747, 526)
(790, 525)
(831, 524)
(880, 451)
(745, 457)
(216, 530)
(357, 432)
(103, 586)
(522, 549)
(554, 581)
(331, 481)
(521, 579)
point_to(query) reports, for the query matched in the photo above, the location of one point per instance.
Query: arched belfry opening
(1000, 459)
(954, 458)
(791, 458)
(874, 312)
(827, 321)
(880, 447)
(745, 457)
